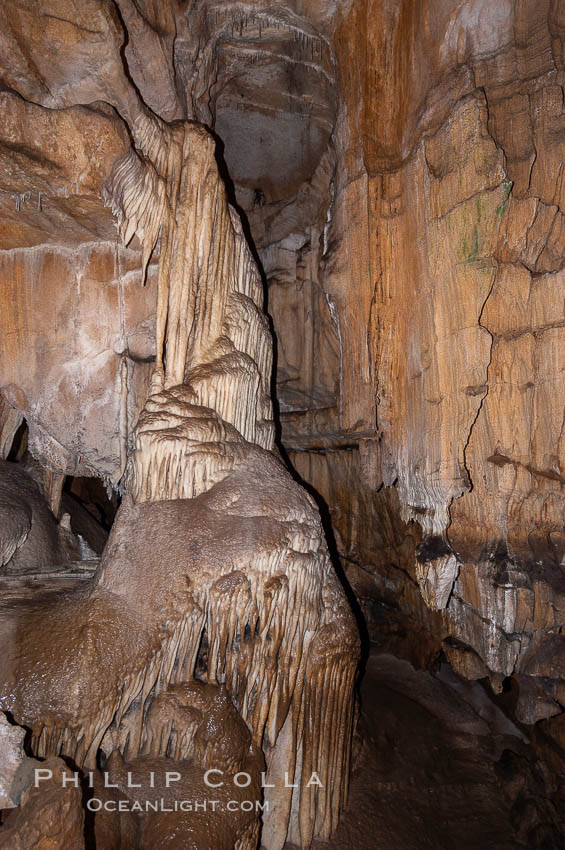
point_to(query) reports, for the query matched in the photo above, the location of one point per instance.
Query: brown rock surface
(50, 815)
(443, 264)
(16, 772)
(31, 540)
(399, 168)
(53, 164)
(72, 338)
(78, 333)
(441, 766)
(211, 819)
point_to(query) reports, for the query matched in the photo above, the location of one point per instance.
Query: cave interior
(282, 406)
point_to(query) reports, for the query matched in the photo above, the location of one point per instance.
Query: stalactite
(280, 638)
(214, 537)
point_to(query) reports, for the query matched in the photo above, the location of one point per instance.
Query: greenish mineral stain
(506, 189)
(470, 253)
(474, 252)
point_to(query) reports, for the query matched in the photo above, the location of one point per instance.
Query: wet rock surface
(389, 174)
(441, 765)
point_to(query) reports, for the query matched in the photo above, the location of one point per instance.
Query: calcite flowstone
(244, 557)
(400, 168)
(216, 566)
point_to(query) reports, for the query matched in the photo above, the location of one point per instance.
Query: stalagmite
(214, 544)
(370, 298)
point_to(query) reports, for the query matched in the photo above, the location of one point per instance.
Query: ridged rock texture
(439, 254)
(397, 171)
(216, 567)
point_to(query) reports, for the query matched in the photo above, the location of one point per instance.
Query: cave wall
(441, 462)
(399, 167)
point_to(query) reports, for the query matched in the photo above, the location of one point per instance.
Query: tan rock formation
(444, 269)
(246, 571)
(398, 167)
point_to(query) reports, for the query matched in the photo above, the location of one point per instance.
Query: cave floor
(439, 765)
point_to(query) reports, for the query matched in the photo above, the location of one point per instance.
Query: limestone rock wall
(399, 167)
(444, 270)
